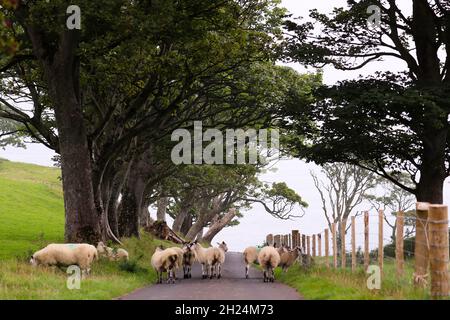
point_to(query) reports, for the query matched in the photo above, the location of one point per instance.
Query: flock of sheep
(80, 254)
(211, 259)
(170, 260)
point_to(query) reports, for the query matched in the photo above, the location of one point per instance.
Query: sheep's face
(33, 261)
(223, 246)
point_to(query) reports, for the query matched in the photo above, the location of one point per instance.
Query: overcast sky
(256, 223)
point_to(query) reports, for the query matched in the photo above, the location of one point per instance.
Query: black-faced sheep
(66, 254)
(110, 253)
(164, 260)
(268, 259)
(250, 256)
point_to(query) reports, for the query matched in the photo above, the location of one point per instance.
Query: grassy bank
(108, 280)
(321, 283)
(31, 216)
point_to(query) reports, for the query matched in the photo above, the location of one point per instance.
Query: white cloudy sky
(256, 222)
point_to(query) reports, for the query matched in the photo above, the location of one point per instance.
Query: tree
(214, 196)
(394, 199)
(8, 45)
(387, 123)
(111, 95)
(345, 186)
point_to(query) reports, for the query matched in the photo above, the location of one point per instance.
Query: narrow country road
(232, 286)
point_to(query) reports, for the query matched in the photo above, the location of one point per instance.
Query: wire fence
(344, 245)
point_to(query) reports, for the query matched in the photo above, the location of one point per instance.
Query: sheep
(218, 259)
(164, 260)
(66, 254)
(112, 254)
(188, 260)
(179, 264)
(289, 257)
(250, 256)
(268, 259)
(206, 257)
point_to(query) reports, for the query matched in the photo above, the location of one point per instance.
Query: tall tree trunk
(145, 219)
(181, 217)
(162, 206)
(83, 222)
(432, 172)
(218, 225)
(131, 202)
(186, 225)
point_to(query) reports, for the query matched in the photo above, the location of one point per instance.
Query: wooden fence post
(304, 243)
(333, 230)
(277, 241)
(399, 255)
(269, 239)
(421, 255)
(290, 241)
(308, 245)
(295, 238)
(327, 249)
(439, 255)
(366, 240)
(314, 245)
(319, 242)
(380, 241)
(343, 254)
(299, 240)
(353, 244)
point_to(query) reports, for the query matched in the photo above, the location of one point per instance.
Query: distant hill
(31, 208)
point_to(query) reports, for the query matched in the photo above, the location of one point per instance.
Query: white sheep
(268, 259)
(110, 253)
(189, 258)
(164, 260)
(66, 254)
(206, 257)
(250, 256)
(218, 259)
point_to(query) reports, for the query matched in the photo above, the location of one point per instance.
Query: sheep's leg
(219, 271)
(246, 271)
(265, 275)
(211, 274)
(272, 275)
(189, 272)
(204, 271)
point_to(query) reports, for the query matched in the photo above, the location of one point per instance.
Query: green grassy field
(31, 208)
(321, 283)
(31, 216)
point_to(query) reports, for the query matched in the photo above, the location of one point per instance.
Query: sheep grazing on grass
(268, 259)
(110, 253)
(164, 260)
(218, 259)
(188, 260)
(66, 254)
(288, 258)
(250, 256)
